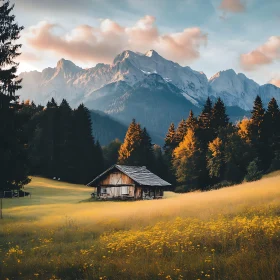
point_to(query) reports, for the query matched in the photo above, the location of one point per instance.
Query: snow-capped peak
(227, 74)
(67, 66)
(151, 53)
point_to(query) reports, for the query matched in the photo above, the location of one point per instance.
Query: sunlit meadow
(231, 233)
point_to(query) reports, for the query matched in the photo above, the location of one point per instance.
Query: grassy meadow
(231, 233)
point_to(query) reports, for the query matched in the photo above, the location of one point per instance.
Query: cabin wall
(116, 178)
(118, 191)
(138, 193)
(118, 185)
(115, 185)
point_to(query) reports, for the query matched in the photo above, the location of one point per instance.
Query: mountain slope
(106, 129)
(234, 89)
(69, 81)
(147, 87)
(154, 102)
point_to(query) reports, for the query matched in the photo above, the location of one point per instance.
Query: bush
(275, 163)
(220, 185)
(183, 189)
(253, 171)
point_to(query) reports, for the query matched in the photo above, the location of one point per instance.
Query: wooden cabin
(129, 182)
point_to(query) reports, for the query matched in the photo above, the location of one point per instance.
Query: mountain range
(148, 87)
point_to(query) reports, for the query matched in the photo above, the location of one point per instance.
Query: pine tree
(66, 142)
(206, 115)
(219, 117)
(272, 124)
(257, 134)
(111, 153)
(13, 159)
(87, 160)
(50, 140)
(253, 171)
(52, 104)
(170, 140)
(215, 158)
(130, 152)
(191, 122)
(205, 130)
(160, 167)
(146, 150)
(187, 162)
(169, 146)
(237, 155)
(180, 132)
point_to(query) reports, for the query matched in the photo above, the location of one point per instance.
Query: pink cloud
(275, 82)
(144, 32)
(28, 56)
(84, 43)
(184, 45)
(233, 6)
(264, 54)
(101, 44)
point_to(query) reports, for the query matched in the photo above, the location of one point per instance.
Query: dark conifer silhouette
(206, 115)
(181, 131)
(191, 122)
(13, 159)
(258, 135)
(170, 140)
(219, 117)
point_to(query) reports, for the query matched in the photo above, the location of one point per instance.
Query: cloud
(233, 6)
(28, 57)
(264, 54)
(275, 82)
(184, 46)
(101, 44)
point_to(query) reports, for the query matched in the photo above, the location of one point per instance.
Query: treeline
(59, 142)
(203, 152)
(209, 151)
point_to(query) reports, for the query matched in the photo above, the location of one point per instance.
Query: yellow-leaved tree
(187, 162)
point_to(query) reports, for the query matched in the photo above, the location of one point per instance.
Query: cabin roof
(139, 174)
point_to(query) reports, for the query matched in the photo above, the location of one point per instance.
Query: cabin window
(124, 190)
(103, 190)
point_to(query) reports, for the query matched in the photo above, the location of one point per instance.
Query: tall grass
(232, 233)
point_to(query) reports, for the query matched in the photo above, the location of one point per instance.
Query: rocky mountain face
(147, 87)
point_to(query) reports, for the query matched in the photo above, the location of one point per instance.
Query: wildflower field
(231, 233)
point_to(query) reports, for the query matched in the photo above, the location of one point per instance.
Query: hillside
(228, 232)
(105, 128)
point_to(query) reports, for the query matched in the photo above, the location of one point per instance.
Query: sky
(207, 35)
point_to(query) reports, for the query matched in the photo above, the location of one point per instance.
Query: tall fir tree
(13, 159)
(206, 115)
(66, 142)
(215, 158)
(272, 124)
(169, 146)
(160, 167)
(219, 117)
(191, 122)
(187, 163)
(181, 131)
(257, 134)
(205, 130)
(111, 153)
(170, 139)
(130, 152)
(146, 152)
(87, 158)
